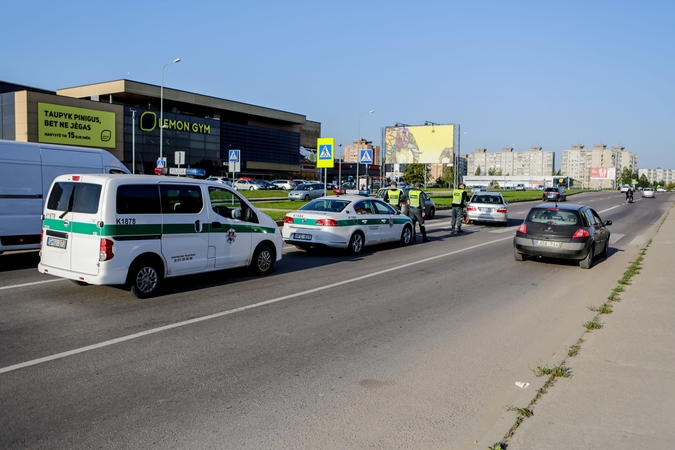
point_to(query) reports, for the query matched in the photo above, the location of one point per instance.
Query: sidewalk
(622, 391)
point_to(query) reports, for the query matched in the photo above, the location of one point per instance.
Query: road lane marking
(31, 284)
(609, 209)
(234, 311)
(614, 237)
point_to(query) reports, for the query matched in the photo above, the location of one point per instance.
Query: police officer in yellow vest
(394, 196)
(416, 212)
(459, 199)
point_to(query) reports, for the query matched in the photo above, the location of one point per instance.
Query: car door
(185, 237)
(600, 231)
(231, 234)
(389, 229)
(368, 221)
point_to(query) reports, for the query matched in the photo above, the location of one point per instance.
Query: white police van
(136, 230)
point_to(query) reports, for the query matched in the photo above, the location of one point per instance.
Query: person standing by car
(416, 211)
(394, 196)
(459, 199)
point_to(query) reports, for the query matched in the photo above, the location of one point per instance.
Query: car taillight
(327, 223)
(288, 219)
(581, 233)
(471, 208)
(522, 228)
(501, 210)
(105, 250)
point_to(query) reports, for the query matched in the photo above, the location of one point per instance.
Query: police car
(346, 221)
(136, 230)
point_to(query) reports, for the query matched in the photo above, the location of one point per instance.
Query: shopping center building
(123, 117)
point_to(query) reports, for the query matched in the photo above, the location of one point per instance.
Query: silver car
(487, 207)
(247, 185)
(648, 192)
(306, 191)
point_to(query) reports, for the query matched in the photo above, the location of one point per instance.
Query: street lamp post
(161, 107)
(358, 148)
(133, 141)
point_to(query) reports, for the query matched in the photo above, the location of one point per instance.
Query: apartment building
(535, 163)
(577, 163)
(657, 175)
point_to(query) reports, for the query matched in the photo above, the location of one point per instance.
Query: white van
(27, 170)
(136, 230)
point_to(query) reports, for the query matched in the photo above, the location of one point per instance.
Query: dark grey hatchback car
(554, 194)
(573, 232)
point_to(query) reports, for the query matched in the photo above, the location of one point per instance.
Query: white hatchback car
(648, 192)
(346, 221)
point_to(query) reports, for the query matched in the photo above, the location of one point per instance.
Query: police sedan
(347, 221)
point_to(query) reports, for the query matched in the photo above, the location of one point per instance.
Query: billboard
(603, 173)
(68, 125)
(419, 144)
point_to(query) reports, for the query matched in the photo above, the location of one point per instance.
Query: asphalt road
(415, 347)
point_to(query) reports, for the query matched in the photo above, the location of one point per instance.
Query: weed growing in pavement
(605, 308)
(614, 296)
(574, 350)
(525, 412)
(557, 371)
(593, 324)
(498, 446)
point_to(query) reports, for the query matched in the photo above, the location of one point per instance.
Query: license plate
(302, 237)
(487, 210)
(547, 243)
(56, 242)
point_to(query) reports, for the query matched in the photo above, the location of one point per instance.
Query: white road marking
(609, 209)
(31, 284)
(614, 237)
(234, 311)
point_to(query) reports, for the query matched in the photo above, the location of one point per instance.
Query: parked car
(487, 207)
(350, 222)
(247, 185)
(267, 185)
(287, 185)
(299, 182)
(573, 232)
(306, 191)
(661, 189)
(222, 180)
(429, 205)
(554, 194)
(520, 187)
(648, 192)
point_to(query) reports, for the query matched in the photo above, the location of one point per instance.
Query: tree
(557, 174)
(494, 184)
(626, 176)
(670, 186)
(492, 172)
(662, 183)
(478, 172)
(415, 173)
(447, 179)
(643, 182)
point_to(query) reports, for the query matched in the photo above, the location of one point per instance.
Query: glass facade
(265, 145)
(7, 118)
(198, 137)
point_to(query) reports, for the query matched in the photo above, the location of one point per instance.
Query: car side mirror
(608, 222)
(506, 203)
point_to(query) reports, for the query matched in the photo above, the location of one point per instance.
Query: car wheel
(432, 214)
(406, 235)
(356, 243)
(519, 256)
(306, 197)
(251, 188)
(146, 279)
(263, 260)
(587, 262)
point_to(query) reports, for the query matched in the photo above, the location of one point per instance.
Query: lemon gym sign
(149, 121)
(68, 125)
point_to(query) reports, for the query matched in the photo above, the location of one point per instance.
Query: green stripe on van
(151, 229)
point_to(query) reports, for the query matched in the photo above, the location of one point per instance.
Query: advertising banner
(68, 125)
(603, 173)
(428, 144)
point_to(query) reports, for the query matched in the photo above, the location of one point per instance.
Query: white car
(247, 185)
(648, 192)
(624, 189)
(661, 189)
(222, 180)
(487, 207)
(346, 221)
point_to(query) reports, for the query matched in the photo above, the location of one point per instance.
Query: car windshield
(553, 216)
(323, 204)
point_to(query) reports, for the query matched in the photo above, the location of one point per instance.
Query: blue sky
(511, 73)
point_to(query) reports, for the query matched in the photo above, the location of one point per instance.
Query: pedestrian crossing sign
(325, 153)
(366, 156)
(233, 156)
